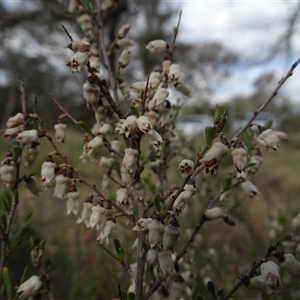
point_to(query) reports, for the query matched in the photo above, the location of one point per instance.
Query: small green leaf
(119, 249)
(5, 200)
(7, 282)
(209, 135)
(124, 295)
(23, 275)
(248, 139)
(268, 123)
(42, 245)
(175, 30)
(151, 273)
(156, 203)
(23, 229)
(16, 152)
(226, 183)
(211, 289)
(85, 127)
(109, 252)
(116, 167)
(131, 296)
(111, 49)
(134, 111)
(217, 114)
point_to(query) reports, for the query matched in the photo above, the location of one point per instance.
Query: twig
(175, 36)
(66, 31)
(250, 273)
(273, 95)
(23, 97)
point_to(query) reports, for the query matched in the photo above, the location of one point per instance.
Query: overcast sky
(248, 27)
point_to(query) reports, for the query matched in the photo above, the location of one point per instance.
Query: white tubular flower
(10, 133)
(213, 156)
(85, 22)
(166, 66)
(177, 289)
(271, 275)
(239, 157)
(29, 287)
(184, 197)
(159, 97)
(165, 114)
(124, 43)
(255, 161)
(125, 58)
(184, 89)
(15, 121)
(86, 212)
(126, 126)
(151, 256)
(289, 263)
(126, 177)
(154, 79)
(142, 224)
(186, 167)
(115, 145)
(47, 173)
(174, 73)
(153, 117)
(100, 114)
(28, 136)
(269, 139)
(31, 153)
(257, 283)
(122, 195)
(109, 227)
(138, 87)
(97, 217)
(124, 88)
(155, 140)
(123, 31)
(130, 159)
(91, 93)
(95, 63)
(105, 128)
(155, 235)
(62, 184)
(33, 185)
(8, 173)
(144, 125)
(166, 263)
(60, 132)
(73, 6)
(106, 162)
(72, 202)
(215, 213)
(249, 188)
(157, 46)
(79, 46)
(93, 148)
(77, 61)
(171, 234)
(104, 182)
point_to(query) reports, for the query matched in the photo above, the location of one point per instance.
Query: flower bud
(124, 43)
(165, 114)
(97, 217)
(155, 140)
(153, 117)
(166, 263)
(93, 148)
(8, 173)
(115, 145)
(269, 139)
(77, 61)
(95, 63)
(186, 167)
(123, 31)
(85, 22)
(62, 184)
(215, 213)
(100, 113)
(249, 188)
(289, 263)
(109, 227)
(257, 283)
(184, 197)
(144, 125)
(122, 195)
(28, 136)
(156, 229)
(151, 256)
(159, 97)
(157, 46)
(142, 224)
(15, 121)
(126, 177)
(171, 234)
(31, 153)
(138, 87)
(72, 201)
(86, 212)
(154, 79)
(166, 66)
(184, 89)
(124, 88)
(91, 93)
(29, 287)
(60, 132)
(125, 58)
(79, 46)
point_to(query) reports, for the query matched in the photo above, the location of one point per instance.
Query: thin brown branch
(271, 97)
(68, 34)
(250, 273)
(23, 97)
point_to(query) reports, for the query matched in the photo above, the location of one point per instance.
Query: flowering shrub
(127, 146)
